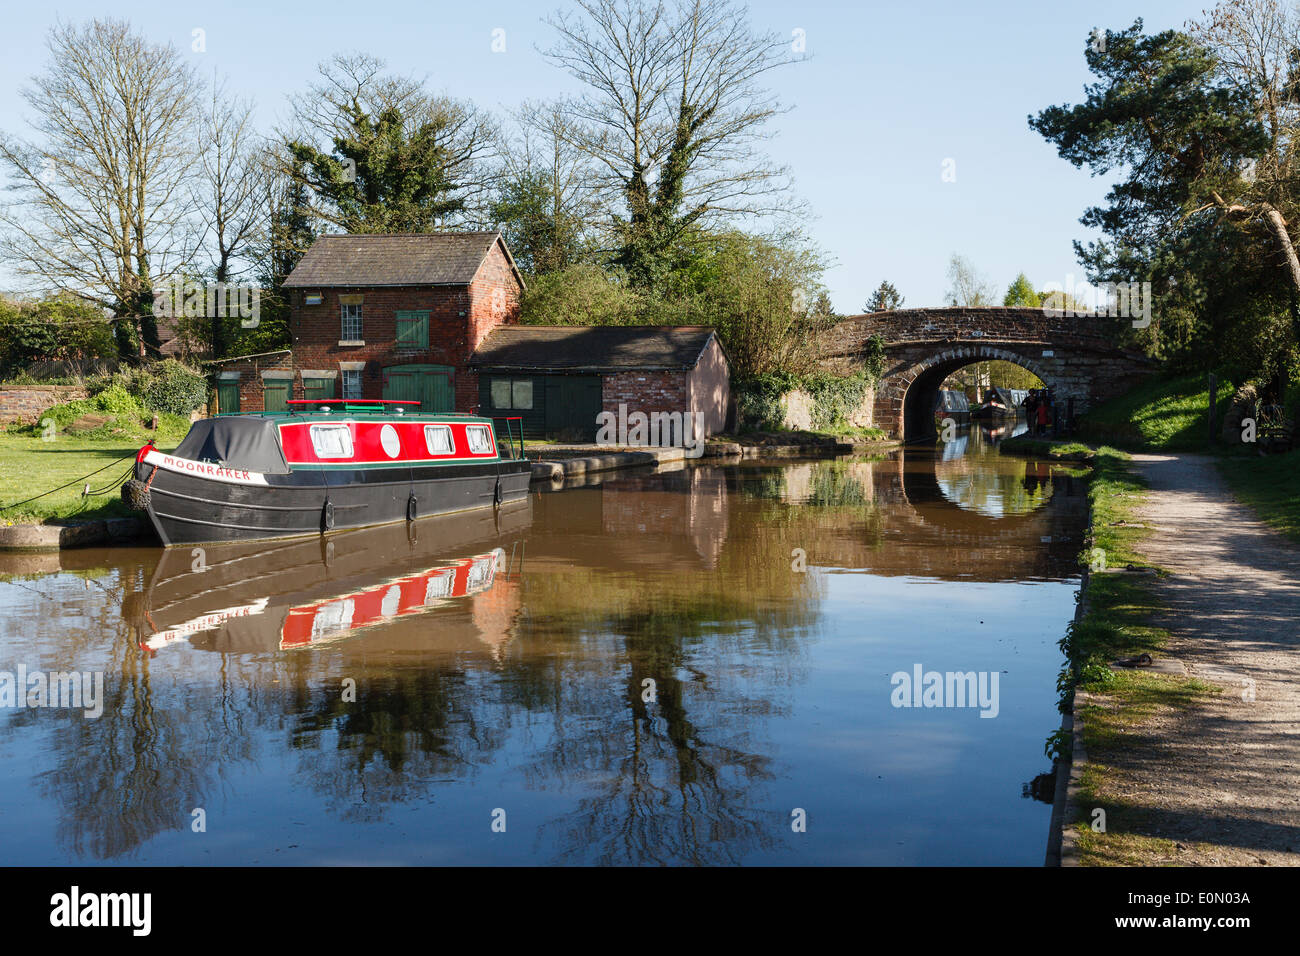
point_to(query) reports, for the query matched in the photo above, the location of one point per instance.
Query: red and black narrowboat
(324, 466)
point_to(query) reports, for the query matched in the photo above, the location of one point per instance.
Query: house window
(513, 393)
(479, 438)
(412, 330)
(438, 439)
(351, 384)
(351, 323)
(331, 441)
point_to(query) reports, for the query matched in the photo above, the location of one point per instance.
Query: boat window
(438, 439)
(332, 441)
(480, 439)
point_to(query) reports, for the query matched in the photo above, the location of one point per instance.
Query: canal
(710, 665)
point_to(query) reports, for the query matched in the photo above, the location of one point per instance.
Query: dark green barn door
(227, 397)
(430, 385)
(572, 404)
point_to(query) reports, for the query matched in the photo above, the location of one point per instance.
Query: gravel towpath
(1225, 773)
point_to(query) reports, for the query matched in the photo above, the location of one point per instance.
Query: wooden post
(1214, 389)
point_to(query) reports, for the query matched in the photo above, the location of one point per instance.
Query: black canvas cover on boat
(252, 444)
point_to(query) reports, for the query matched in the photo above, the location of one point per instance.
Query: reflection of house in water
(689, 505)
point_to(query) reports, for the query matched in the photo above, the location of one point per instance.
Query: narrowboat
(323, 466)
(1002, 403)
(950, 403)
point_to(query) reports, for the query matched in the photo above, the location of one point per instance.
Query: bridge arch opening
(922, 384)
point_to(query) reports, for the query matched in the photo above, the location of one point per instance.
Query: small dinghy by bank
(324, 466)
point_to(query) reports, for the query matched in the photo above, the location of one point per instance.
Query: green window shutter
(412, 330)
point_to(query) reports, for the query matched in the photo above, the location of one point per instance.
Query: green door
(275, 394)
(572, 404)
(318, 388)
(227, 398)
(430, 385)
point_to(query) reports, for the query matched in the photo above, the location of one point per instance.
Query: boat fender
(412, 508)
(496, 493)
(327, 516)
(135, 495)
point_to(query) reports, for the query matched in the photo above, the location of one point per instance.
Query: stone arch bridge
(1076, 357)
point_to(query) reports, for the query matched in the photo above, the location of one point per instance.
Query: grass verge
(1270, 485)
(29, 466)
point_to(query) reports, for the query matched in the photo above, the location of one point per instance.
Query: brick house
(384, 316)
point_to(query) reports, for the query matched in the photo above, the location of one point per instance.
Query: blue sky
(890, 92)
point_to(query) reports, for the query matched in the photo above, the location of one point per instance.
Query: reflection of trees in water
(677, 777)
(404, 730)
(1011, 489)
(139, 768)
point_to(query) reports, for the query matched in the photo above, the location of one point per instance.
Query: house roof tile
(405, 259)
(592, 348)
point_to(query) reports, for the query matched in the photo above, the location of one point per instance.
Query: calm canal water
(637, 671)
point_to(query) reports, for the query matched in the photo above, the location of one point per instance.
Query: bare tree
(672, 115)
(548, 201)
(103, 201)
(966, 287)
(230, 172)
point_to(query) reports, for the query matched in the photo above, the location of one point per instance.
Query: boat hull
(188, 509)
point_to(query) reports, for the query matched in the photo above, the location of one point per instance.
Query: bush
(175, 388)
(116, 400)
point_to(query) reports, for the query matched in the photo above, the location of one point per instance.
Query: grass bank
(1270, 485)
(1163, 414)
(29, 466)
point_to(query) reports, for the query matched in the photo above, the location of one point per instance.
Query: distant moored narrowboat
(322, 466)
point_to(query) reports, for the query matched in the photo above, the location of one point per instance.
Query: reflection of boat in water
(275, 596)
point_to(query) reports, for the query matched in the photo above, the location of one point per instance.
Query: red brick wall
(250, 379)
(459, 319)
(24, 403)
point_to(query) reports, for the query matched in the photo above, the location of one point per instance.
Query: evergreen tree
(884, 299)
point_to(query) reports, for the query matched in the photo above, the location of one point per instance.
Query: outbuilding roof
(402, 259)
(592, 348)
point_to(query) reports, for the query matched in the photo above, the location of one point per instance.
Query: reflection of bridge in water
(971, 518)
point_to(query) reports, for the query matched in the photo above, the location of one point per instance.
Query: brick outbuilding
(559, 379)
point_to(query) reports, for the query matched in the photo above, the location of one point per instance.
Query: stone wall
(799, 407)
(24, 403)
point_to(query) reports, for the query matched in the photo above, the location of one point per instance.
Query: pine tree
(884, 299)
